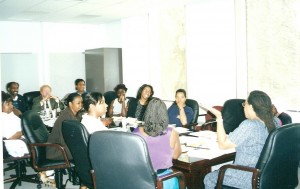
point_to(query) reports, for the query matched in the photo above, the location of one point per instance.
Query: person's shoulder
(20, 96)
(172, 106)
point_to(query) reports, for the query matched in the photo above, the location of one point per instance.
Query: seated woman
(137, 107)
(11, 124)
(74, 105)
(118, 106)
(179, 113)
(94, 105)
(80, 86)
(163, 141)
(283, 118)
(248, 139)
(46, 100)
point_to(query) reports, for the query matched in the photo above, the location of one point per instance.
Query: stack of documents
(202, 145)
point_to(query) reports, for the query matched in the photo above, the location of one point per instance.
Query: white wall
(135, 53)
(34, 54)
(211, 60)
(210, 50)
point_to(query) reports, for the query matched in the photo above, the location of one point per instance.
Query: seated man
(179, 113)
(46, 100)
(18, 100)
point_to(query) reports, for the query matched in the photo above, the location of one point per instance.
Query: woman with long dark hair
(248, 139)
(137, 107)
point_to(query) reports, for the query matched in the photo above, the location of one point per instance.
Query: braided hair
(156, 118)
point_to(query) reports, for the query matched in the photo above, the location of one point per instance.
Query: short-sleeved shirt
(10, 124)
(118, 106)
(173, 113)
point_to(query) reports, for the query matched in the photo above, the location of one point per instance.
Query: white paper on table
(211, 151)
(193, 141)
(205, 134)
(181, 130)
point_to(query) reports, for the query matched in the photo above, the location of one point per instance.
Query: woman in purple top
(162, 141)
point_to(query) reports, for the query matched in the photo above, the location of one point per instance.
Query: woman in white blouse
(95, 106)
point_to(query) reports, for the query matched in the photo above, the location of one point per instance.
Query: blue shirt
(173, 113)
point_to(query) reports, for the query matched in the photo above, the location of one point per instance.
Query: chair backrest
(233, 114)
(132, 103)
(285, 118)
(35, 131)
(209, 116)
(279, 158)
(76, 138)
(29, 96)
(121, 160)
(195, 106)
(109, 97)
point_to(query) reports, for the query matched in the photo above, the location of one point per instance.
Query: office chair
(277, 166)
(36, 134)
(233, 114)
(195, 107)
(29, 96)
(285, 118)
(109, 97)
(210, 120)
(19, 165)
(121, 160)
(76, 138)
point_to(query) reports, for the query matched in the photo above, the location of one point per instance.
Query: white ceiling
(79, 11)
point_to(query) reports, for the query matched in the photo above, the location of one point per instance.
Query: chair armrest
(60, 148)
(210, 125)
(190, 126)
(93, 178)
(177, 174)
(237, 167)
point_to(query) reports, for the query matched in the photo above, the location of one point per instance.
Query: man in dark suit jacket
(46, 100)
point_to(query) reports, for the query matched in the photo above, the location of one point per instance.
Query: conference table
(195, 170)
(201, 158)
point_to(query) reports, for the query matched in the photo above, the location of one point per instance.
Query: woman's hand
(122, 98)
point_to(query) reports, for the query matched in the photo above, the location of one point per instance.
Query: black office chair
(210, 120)
(36, 134)
(233, 114)
(121, 160)
(132, 104)
(76, 138)
(277, 166)
(19, 165)
(109, 97)
(195, 106)
(285, 118)
(29, 96)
